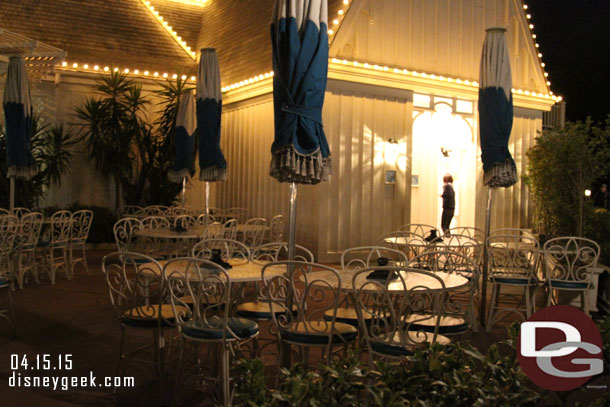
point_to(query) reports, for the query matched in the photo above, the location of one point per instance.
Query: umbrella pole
(183, 191)
(293, 220)
(207, 199)
(485, 260)
(12, 194)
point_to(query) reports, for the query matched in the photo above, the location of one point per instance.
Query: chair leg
(11, 311)
(70, 261)
(84, 259)
(585, 301)
(52, 266)
(120, 361)
(474, 324)
(549, 300)
(178, 381)
(158, 359)
(34, 267)
(20, 271)
(226, 388)
(67, 254)
(495, 292)
(528, 301)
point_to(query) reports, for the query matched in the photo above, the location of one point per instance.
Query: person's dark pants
(446, 219)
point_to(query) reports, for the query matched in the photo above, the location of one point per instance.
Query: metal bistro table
(243, 228)
(452, 281)
(168, 233)
(177, 242)
(414, 247)
(241, 272)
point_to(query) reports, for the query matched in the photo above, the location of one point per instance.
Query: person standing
(602, 198)
(448, 203)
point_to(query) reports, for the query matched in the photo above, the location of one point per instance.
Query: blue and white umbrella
(300, 153)
(299, 39)
(212, 164)
(184, 138)
(495, 125)
(18, 113)
(184, 141)
(496, 111)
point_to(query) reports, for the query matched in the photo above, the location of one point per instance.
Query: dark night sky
(574, 38)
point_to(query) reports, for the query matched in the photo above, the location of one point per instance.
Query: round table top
(455, 241)
(241, 271)
(166, 233)
(452, 281)
(241, 228)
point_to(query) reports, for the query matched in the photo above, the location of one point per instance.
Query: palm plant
(124, 145)
(51, 148)
(106, 132)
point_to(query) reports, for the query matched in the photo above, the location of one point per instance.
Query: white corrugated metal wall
(356, 206)
(440, 36)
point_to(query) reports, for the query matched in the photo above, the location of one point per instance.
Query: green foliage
(456, 375)
(562, 164)
(51, 148)
(339, 384)
(124, 145)
(596, 228)
(604, 329)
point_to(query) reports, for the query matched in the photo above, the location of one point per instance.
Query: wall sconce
(391, 151)
(445, 152)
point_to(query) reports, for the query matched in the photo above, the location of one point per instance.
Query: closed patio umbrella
(495, 123)
(300, 153)
(212, 164)
(184, 140)
(18, 112)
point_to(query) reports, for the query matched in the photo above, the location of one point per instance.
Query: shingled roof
(239, 30)
(124, 33)
(109, 32)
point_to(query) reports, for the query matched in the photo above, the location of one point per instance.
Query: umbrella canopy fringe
(288, 165)
(25, 173)
(501, 175)
(213, 174)
(178, 176)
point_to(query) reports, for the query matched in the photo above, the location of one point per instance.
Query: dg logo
(560, 348)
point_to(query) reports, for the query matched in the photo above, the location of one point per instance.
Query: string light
(398, 71)
(135, 72)
(337, 21)
(341, 13)
(434, 77)
(170, 30)
(200, 3)
(248, 81)
(542, 64)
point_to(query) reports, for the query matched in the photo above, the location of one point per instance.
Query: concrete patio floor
(75, 317)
